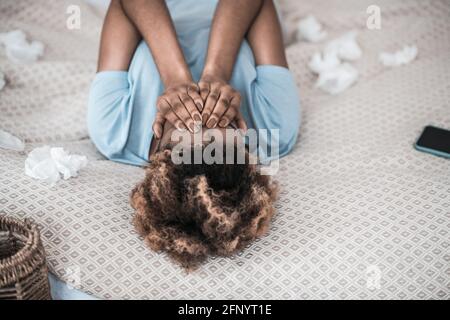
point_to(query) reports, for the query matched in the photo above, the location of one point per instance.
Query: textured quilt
(361, 215)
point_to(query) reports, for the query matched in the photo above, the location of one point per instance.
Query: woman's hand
(221, 103)
(181, 105)
(178, 104)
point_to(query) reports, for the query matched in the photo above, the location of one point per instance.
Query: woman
(158, 72)
(157, 67)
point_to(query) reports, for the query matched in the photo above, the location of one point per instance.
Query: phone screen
(435, 139)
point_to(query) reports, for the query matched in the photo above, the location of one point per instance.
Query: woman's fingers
(175, 112)
(231, 112)
(194, 92)
(182, 112)
(229, 115)
(221, 107)
(190, 107)
(211, 101)
(214, 103)
(219, 96)
(166, 111)
(158, 125)
(204, 90)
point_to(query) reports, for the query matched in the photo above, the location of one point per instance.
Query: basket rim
(9, 265)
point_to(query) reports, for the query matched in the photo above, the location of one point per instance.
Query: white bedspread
(361, 213)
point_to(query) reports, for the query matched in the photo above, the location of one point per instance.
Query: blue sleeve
(110, 119)
(276, 105)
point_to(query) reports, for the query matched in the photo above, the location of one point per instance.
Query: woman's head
(192, 211)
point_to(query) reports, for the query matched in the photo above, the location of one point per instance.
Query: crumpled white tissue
(334, 75)
(401, 57)
(68, 165)
(345, 47)
(10, 142)
(18, 49)
(310, 29)
(2, 80)
(45, 163)
(322, 62)
(337, 79)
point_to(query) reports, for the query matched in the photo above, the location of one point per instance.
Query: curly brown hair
(192, 211)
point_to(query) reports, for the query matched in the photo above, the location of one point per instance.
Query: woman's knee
(108, 100)
(290, 121)
(277, 105)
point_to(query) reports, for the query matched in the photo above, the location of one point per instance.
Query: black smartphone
(435, 141)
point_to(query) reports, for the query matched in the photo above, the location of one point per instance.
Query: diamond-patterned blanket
(361, 213)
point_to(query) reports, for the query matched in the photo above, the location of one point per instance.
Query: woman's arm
(265, 37)
(231, 22)
(118, 41)
(181, 103)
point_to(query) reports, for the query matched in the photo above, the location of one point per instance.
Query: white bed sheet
(362, 215)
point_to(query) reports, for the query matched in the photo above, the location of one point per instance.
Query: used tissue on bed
(338, 79)
(48, 164)
(401, 57)
(345, 47)
(322, 62)
(334, 76)
(310, 29)
(18, 49)
(10, 142)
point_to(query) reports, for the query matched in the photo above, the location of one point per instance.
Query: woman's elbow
(289, 126)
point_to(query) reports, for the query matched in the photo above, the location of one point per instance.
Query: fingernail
(205, 117)
(199, 106)
(180, 126)
(197, 117)
(211, 123)
(223, 123)
(191, 127)
(197, 127)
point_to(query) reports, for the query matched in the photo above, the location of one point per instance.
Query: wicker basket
(23, 269)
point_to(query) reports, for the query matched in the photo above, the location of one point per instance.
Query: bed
(361, 215)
